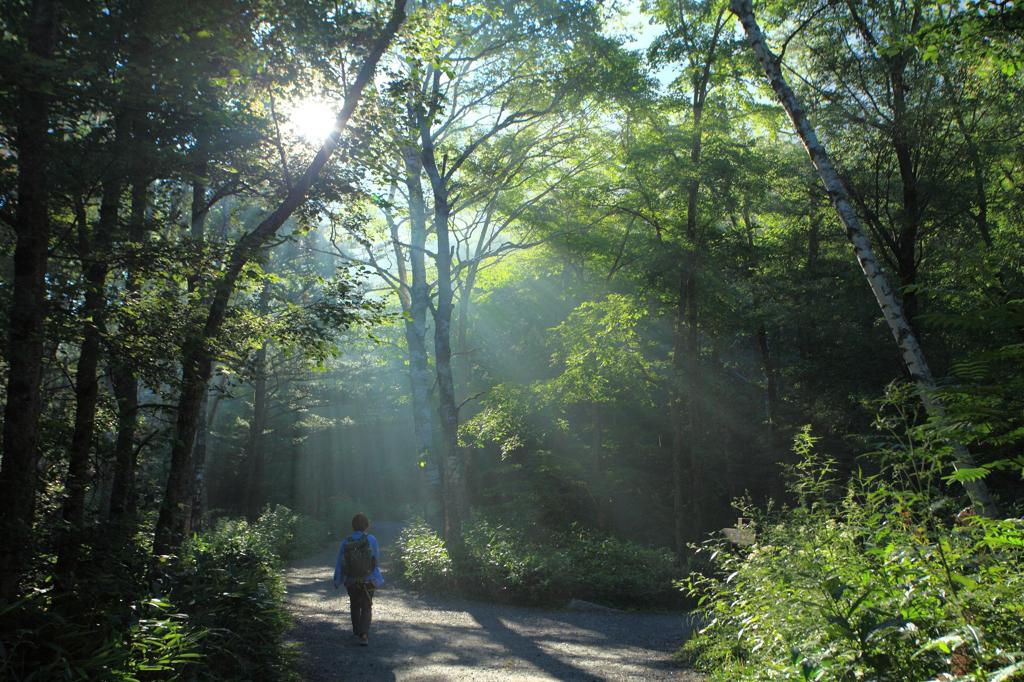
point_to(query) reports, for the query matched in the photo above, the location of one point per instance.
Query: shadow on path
(534, 652)
(417, 637)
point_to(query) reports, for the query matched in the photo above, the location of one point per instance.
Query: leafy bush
(229, 582)
(507, 564)
(422, 559)
(864, 581)
(594, 570)
(219, 616)
(499, 563)
(48, 640)
(289, 535)
(160, 641)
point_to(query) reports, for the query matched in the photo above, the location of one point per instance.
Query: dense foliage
(214, 613)
(421, 558)
(863, 579)
(501, 563)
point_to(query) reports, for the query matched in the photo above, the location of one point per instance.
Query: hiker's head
(360, 522)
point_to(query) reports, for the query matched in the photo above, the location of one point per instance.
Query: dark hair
(360, 522)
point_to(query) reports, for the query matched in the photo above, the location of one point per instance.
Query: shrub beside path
(419, 637)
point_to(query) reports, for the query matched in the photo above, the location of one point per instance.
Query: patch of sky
(637, 30)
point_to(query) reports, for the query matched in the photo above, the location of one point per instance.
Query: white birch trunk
(907, 342)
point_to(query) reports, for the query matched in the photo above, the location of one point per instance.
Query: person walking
(356, 568)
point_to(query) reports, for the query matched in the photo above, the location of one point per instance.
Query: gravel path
(417, 637)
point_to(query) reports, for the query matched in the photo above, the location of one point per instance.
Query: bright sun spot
(312, 120)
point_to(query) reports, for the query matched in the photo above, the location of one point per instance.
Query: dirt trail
(417, 637)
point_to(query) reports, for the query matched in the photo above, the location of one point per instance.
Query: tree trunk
(199, 451)
(679, 527)
(122, 492)
(464, 366)
(692, 238)
(200, 491)
(254, 448)
(679, 410)
(595, 477)
(27, 310)
(93, 253)
(771, 394)
(197, 233)
(124, 382)
(122, 375)
(455, 508)
(805, 337)
(196, 352)
(761, 333)
(176, 510)
(416, 330)
(452, 471)
(686, 348)
(913, 356)
(910, 228)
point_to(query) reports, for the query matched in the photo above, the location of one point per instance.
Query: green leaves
(422, 558)
(231, 579)
(514, 564)
(966, 474)
(808, 670)
(877, 584)
(601, 352)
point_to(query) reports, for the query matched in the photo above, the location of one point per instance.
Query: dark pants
(361, 597)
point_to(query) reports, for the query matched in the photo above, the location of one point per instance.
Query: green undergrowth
(287, 534)
(501, 563)
(214, 612)
(874, 578)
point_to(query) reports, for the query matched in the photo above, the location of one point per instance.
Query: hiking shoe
(364, 640)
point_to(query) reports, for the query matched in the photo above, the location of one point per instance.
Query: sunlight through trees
(560, 288)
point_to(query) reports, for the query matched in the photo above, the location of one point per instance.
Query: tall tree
(28, 300)
(196, 352)
(123, 154)
(906, 340)
(696, 38)
(254, 454)
(123, 378)
(470, 114)
(888, 111)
